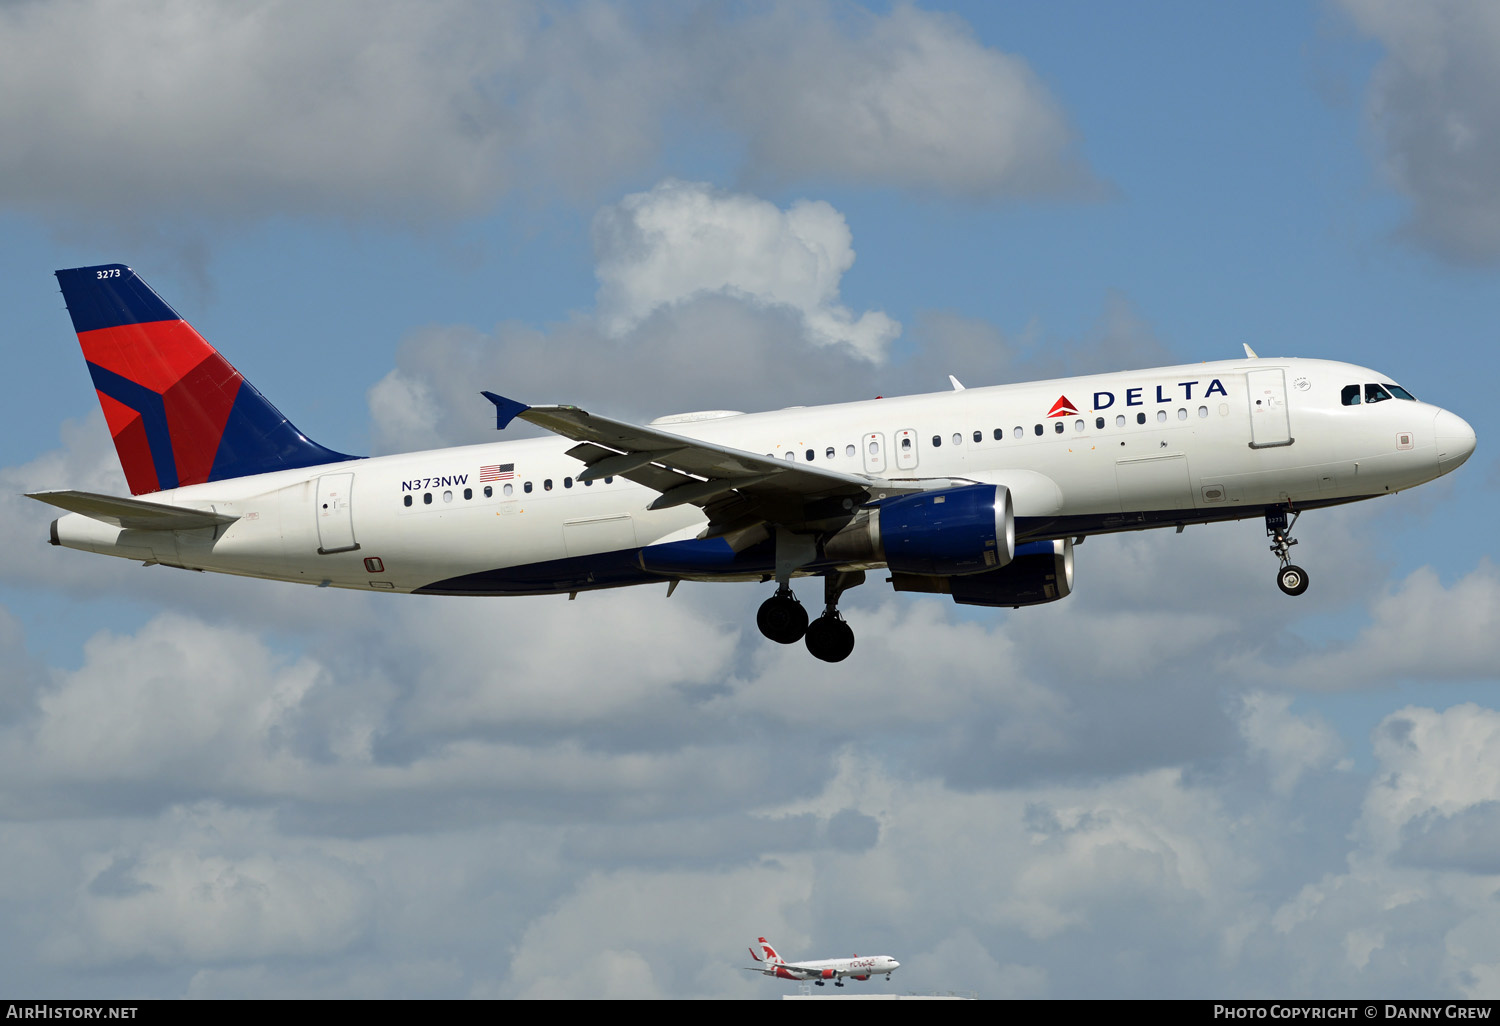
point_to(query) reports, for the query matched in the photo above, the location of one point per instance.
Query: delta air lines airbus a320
(978, 493)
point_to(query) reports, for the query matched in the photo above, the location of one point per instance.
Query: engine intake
(950, 532)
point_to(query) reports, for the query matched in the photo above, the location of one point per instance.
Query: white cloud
(660, 247)
(386, 111)
(1419, 629)
(194, 898)
(1434, 106)
(909, 99)
(726, 289)
(1291, 745)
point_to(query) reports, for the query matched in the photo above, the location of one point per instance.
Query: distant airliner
(977, 493)
(827, 969)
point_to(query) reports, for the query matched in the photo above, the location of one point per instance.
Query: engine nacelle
(1040, 572)
(949, 532)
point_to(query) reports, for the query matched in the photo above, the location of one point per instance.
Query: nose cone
(895, 964)
(1454, 438)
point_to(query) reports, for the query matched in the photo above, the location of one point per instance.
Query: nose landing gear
(1291, 578)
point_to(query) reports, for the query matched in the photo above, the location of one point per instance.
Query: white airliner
(977, 493)
(827, 969)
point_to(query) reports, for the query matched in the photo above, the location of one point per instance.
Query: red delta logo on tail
(178, 412)
(1063, 408)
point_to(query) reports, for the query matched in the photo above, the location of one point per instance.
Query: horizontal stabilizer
(133, 514)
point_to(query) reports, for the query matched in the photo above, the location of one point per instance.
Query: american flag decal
(498, 472)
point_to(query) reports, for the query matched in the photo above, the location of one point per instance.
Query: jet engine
(1041, 571)
(949, 532)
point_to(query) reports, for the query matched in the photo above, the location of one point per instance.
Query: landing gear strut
(829, 638)
(1291, 578)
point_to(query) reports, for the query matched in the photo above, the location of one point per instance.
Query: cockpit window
(1399, 392)
(1376, 394)
(1350, 395)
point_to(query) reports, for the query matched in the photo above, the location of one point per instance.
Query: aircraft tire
(782, 619)
(830, 639)
(1292, 579)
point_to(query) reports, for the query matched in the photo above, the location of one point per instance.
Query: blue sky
(221, 787)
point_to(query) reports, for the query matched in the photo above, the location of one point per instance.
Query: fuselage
(1084, 455)
(834, 968)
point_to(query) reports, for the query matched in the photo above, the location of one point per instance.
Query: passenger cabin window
(999, 434)
(1058, 427)
(979, 436)
(508, 490)
(829, 453)
(810, 454)
(468, 493)
(489, 491)
(906, 444)
(848, 450)
(937, 441)
(1376, 394)
(1140, 418)
(1019, 432)
(1039, 430)
(547, 485)
(957, 438)
(1350, 395)
(567, 482)
(1098, 423)
(526, 488)
(406, 500)
(427, 498)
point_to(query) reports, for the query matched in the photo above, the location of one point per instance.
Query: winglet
(506, 410)
(958, 386)
(1249, 352)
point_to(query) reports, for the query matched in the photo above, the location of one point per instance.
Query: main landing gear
(1291, 578)
(784, 620)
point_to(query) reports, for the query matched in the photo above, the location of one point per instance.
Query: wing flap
(133, 514)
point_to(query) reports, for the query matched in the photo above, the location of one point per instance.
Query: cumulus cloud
(910, 99)
(1290, 744)
(1418, 629)
(682, 238)
(725, 288)
(1434, 107)
(381, 110)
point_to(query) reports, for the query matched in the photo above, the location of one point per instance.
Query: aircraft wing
(133, 514)
(734, 487)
